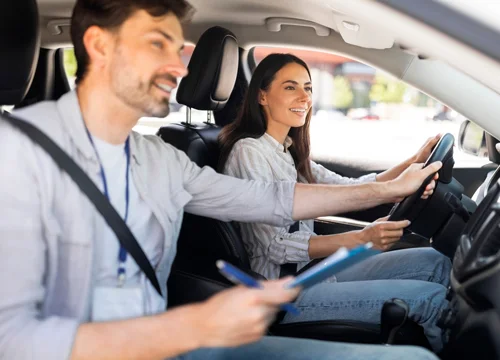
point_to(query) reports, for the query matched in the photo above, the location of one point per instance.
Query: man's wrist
(196, 320)
(385, 191)
(190, 324)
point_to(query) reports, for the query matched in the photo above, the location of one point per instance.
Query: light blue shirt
(48, 228)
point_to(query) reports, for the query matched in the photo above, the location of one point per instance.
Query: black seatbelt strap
(295, 227)
(290, 269)
(87, 186)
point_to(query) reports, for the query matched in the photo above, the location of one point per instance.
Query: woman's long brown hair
(251, 121)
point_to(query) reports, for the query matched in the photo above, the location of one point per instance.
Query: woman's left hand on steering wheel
(425, 151)
(421, 156)
(409, 181)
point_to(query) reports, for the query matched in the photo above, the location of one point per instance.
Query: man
(61, 296)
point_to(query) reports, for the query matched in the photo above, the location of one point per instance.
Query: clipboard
(338, 261)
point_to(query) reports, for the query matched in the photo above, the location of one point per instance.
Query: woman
(270, 141)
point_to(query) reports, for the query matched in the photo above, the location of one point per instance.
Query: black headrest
(230, 112)
(212, 71)
(198, 141)
(19, 46)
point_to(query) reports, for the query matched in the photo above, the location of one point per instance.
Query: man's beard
(134, 92)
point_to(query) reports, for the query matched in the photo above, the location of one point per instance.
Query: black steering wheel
(410, 206)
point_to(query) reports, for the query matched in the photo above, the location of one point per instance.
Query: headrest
(212, 71)
(230, 112)
(19, 44)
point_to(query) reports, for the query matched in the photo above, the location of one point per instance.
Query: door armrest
(329, 225)
(343, 221)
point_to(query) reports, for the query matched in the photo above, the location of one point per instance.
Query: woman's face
(289, 97)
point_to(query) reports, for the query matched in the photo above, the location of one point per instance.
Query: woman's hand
(383, 233)
(420, 157)
(412, 179)
(425, 151)
(429, 189)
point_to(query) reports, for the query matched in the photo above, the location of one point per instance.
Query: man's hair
(110, 15)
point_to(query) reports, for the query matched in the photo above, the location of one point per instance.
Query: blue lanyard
(122, 254)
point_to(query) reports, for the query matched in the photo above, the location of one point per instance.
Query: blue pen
(237, 276)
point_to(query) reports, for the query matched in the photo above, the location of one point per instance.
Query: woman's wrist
(352, 239)
(359, 237)
(411, 160)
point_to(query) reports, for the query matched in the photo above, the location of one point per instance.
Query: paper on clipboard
(338, 261)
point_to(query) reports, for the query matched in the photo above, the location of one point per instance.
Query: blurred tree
(361, 94)
(387, 89)
(342, 95)
(69, 62)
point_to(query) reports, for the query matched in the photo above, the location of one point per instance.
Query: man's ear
(97, 42)
(262, 98)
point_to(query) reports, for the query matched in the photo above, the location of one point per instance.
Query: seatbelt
(87, 186)
(290, 269)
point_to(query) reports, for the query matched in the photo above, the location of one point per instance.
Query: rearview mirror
(472, 139)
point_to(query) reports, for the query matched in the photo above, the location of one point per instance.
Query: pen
(237, 276)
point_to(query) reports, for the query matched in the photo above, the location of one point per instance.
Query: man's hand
(241, 315)
(383, 233)
(412, 178)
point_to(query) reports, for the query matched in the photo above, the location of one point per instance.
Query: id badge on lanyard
(117, 302)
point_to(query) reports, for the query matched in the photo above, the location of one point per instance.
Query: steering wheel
(410, 206)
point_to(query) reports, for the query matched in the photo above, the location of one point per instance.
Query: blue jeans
(418, 276)
(277, 348)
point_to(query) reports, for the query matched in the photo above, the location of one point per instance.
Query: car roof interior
(364, 30)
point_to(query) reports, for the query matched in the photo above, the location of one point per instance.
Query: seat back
(202, 241)
(198, 141)
(212, 74)
(20, 46)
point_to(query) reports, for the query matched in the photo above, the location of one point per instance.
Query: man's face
(146, 62)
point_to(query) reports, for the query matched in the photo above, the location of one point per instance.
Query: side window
(147, 125)
(363, 116)
(70, 66)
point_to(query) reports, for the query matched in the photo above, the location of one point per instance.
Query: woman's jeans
(418, 276)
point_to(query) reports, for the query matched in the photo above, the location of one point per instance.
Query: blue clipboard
(340, 260)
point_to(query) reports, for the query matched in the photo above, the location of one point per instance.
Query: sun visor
(362, 34)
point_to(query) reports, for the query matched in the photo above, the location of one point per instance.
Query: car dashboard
(471, 323)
